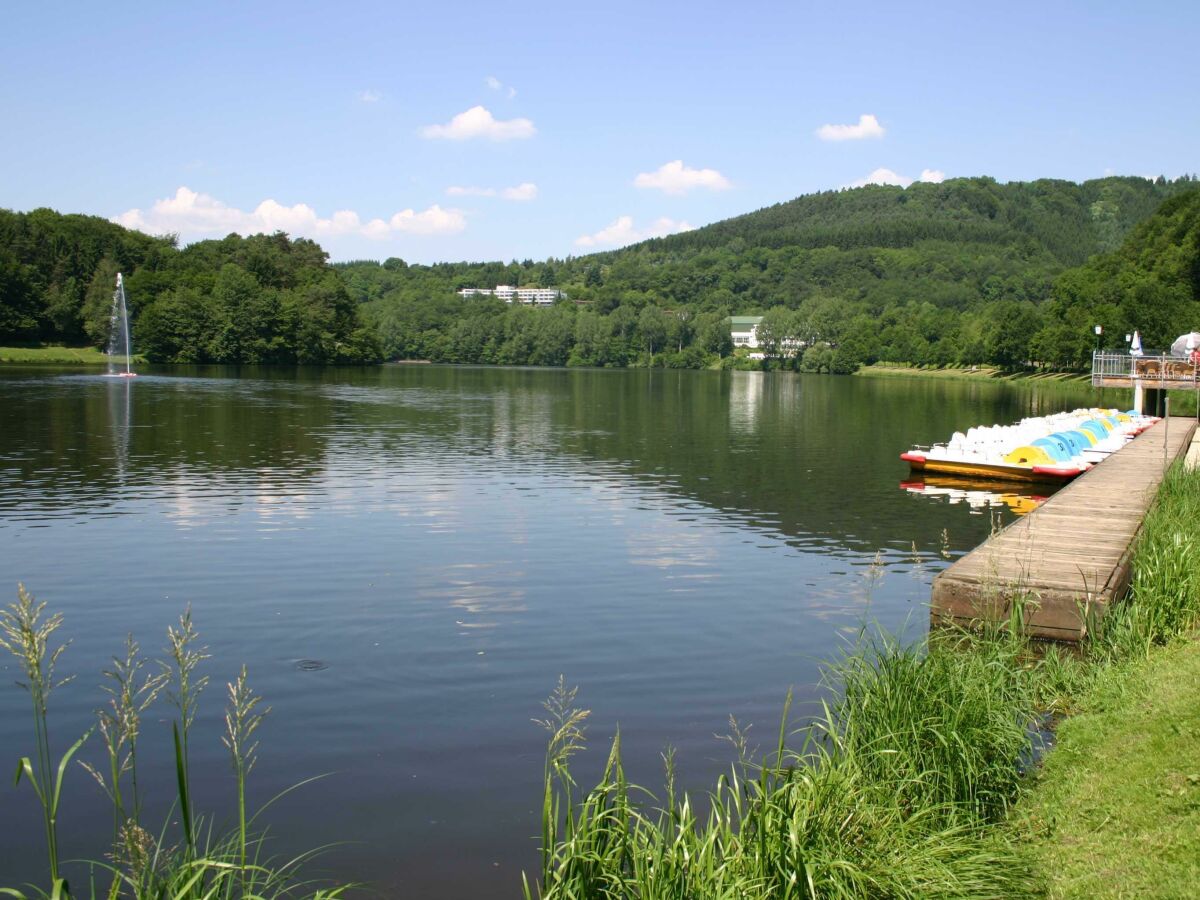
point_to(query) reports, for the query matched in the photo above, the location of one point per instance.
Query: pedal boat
(1053, 448)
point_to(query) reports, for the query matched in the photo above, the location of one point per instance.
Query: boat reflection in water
(979, 495)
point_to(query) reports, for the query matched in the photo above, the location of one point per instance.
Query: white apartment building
(528, 296)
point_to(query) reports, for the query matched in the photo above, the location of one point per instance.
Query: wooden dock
(1070, 558)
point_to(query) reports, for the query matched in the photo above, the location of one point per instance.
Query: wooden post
(1166, 428)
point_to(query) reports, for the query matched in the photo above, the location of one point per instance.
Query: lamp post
(1099, 331)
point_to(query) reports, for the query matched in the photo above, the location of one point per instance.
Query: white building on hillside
(744, 330)
(528, 296)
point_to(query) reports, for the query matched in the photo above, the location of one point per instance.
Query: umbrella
(1135, 349)
(1185, 344)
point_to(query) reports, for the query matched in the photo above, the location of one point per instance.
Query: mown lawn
(1116, 810)
(55, 355)
(979, 373)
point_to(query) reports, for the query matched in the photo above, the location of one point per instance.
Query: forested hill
(1152, 282)
(962, 272)
(264, 298)
(1069, 222)
(969, 271)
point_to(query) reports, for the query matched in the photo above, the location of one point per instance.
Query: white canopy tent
(1185, 344)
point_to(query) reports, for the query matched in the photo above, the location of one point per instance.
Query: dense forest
(969, 271)
(261, 299)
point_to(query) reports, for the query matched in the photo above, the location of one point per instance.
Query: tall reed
(210, 863)
(26, 632)
(888, 794)
(242, 719)
(130, 694)
(184, 691)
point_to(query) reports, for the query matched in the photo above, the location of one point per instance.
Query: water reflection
(120, 408)
(683, 545)
(745, 398)
(979, 496)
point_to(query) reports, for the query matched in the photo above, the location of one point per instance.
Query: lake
(406, 558)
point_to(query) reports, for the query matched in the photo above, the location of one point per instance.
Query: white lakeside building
(528, 296)
(744, 331)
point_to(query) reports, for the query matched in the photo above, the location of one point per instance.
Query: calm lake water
(407, 558)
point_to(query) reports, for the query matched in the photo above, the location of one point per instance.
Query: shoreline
(58, 356)
(926, 740)
(974, 373)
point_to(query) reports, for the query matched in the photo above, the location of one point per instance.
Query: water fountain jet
(118, 334)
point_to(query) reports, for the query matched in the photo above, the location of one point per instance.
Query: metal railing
(1153, 369)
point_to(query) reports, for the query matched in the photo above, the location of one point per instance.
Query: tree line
(259, 299)
(967, 272)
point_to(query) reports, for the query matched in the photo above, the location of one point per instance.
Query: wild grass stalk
(27, 632)
(184, 691)
(130, 694)
(242, 720)
(209, 863)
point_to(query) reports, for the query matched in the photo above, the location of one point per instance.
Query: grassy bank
(976, 373)
(50, 355)
(887, 794)
(908, 784)
(1116, 810)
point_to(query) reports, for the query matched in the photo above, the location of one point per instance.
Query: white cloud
(194, 216)
(369, 96)
(525, 191)
(867, 127)
(622, 231)
(456, 190)
(497, 85)
(882, 176)
(887, 176)
(477, 122)
(676, 178)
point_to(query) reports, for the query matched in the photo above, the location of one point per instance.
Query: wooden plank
(1070, 558)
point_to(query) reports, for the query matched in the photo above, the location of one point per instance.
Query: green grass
(57, 356)
(1116, 812)
(979, 373)
(889, 793)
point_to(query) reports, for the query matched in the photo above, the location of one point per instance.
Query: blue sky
(448, 131)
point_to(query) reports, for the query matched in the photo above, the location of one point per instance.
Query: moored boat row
(1057, 447)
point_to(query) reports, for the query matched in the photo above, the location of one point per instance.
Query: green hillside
(1068, 221)
(965, 272)
(961, 272)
